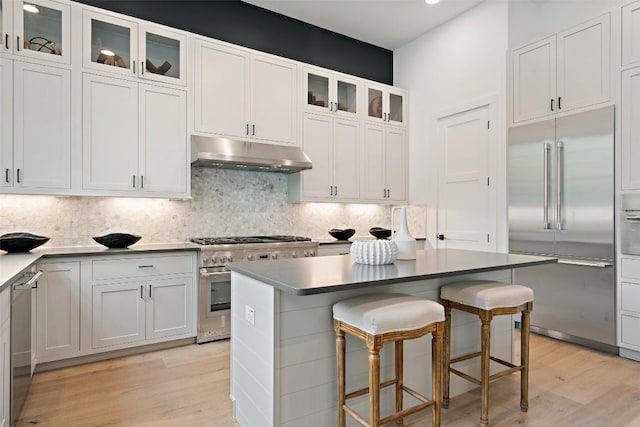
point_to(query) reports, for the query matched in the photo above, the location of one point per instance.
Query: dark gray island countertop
(308, 276)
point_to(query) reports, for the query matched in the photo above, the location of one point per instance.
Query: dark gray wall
(247, 25)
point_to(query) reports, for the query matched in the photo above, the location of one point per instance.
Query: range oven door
(215, 304)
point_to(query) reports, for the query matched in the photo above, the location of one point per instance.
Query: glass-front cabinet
(329, 92)
(123, 47)
(386, 104)
(39, 29)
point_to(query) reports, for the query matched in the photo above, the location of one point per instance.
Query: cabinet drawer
(630, 330)
(630, 296)
(140, 267)
(630, 268)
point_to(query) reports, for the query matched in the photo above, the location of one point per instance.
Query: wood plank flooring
(189, 386)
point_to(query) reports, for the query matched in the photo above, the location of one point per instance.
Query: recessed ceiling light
(30, 8)
(107, 52)
(432, 1)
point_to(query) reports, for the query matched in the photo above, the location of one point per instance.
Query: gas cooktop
(234, 240)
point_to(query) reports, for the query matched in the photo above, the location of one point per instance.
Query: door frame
(496, 165)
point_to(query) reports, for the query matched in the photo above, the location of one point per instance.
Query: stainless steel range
(215, 279)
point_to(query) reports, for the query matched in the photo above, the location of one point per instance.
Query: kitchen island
(283, 344)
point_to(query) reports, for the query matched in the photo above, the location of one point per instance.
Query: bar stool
(487, 299)
(378, 319)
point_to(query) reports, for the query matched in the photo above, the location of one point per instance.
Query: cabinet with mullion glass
(331, 92)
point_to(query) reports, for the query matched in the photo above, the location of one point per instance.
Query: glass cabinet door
(396, 108)
(317, 85)
(42, 30)
(109, 44)
(164, 55)
(5, 24)
(346, 97)
(375, 103)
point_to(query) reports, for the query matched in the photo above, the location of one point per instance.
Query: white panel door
(109, 133)
(58, 311)
(221, 90)
(6, 122)
(372, 175)
(169, 307)
(317, 145)
(42, 126)
(273, 100)
(346, 162)
(534, 80)
(466, 214)
(163, 140)
(630, 129)
(118, 314)
(631, 33)
(395, 164)
(584, 65)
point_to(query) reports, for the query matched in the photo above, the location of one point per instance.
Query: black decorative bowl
(342, 234)
(380, 233)
(117, 240)
(21, 242)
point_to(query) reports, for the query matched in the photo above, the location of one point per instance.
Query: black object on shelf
(342, 234)
(21, 242)
(117, 240)
(380, 233)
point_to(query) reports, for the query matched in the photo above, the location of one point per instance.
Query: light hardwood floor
(189, 386)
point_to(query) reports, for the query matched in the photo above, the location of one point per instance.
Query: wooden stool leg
(374, 387)
(399, 359)
(485, 344)
(340, 371)
(524, 359)
(436, 372)
(447, 354)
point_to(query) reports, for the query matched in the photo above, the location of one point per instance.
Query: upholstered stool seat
(487, 299)
(378, 319)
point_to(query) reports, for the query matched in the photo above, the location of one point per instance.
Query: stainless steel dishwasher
(22, 300)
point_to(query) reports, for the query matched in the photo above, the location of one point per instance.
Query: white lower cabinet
(58, 311)
(125, 313)
(95, 304)
(5, 357)
(629, 304)
(138, 299)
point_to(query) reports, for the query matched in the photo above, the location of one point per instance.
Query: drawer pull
(145, 266)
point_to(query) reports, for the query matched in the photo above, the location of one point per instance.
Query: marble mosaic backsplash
(224, 202)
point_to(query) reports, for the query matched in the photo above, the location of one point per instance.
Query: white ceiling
(384, 23)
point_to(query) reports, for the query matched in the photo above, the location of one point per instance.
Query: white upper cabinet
(328, 92)
(137, 143)
(383, 171)
(38, 29)
(127, 48)
(563, 72)
(243, 94)
(630, 129)
(386, 104)
(36, 138)
(332, 143)
(631, 33)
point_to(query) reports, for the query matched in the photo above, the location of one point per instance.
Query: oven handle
(217, 273)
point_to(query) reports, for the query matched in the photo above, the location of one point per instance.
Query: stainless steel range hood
(235, 154)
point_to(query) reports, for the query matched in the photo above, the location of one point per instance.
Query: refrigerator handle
(547, 150)
(559, 179)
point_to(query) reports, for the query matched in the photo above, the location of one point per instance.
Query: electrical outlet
(249, 314)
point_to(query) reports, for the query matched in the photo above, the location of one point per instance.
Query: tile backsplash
(224, 202)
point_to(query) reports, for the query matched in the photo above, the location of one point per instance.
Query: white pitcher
(406, 244)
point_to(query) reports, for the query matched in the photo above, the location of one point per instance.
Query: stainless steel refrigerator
(561, 203)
